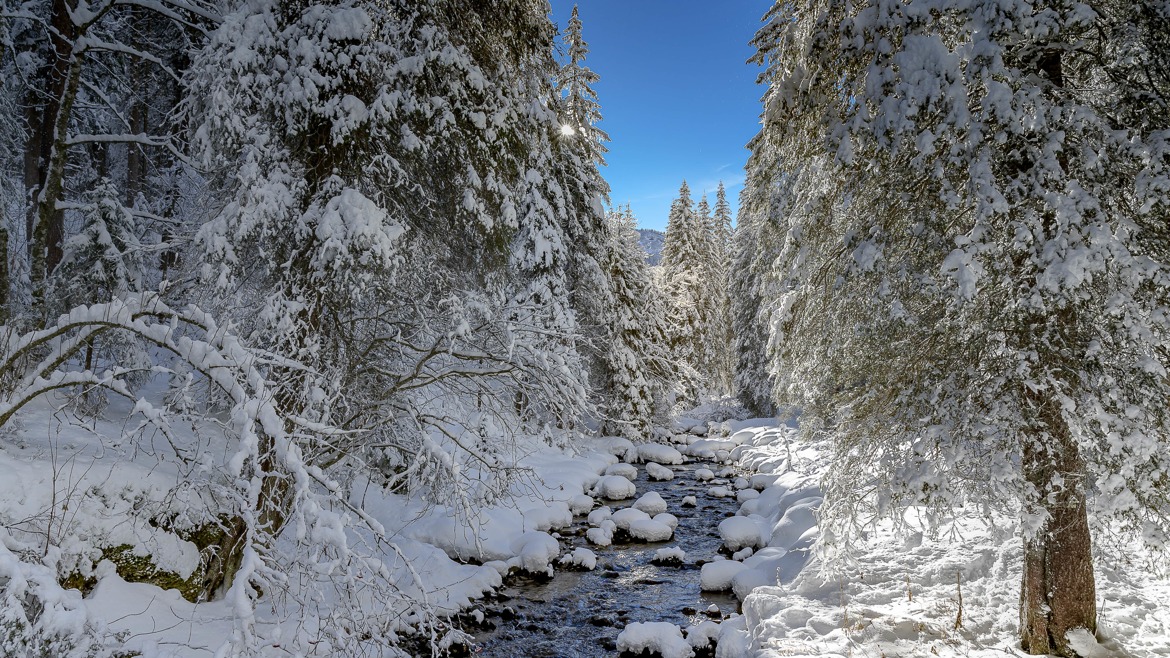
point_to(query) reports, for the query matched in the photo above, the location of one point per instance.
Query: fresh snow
(658, 472)
(659, 637)
(615, 487)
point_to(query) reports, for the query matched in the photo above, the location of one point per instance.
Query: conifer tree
(638, 366)
(972, 282)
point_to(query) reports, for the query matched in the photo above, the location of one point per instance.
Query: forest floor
(68, 490)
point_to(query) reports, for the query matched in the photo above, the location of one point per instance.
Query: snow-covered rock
(628, 471)
(624, 517)
(670, 555)
(602, 535)
(598, 515)
(717, 576)
(581, 504)
(581, 558)
(658, 472)
(667, 519)
(614, 487)
(742, 483)
(704, 635)
(690, 501)
(660, 637)
(651, 503)
(740, 532)
(746, 495)
(655, 452)
(534, 551)
(649, 530)
(704, 474)
(720, 492)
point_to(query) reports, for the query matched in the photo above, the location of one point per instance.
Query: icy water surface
(581, 613)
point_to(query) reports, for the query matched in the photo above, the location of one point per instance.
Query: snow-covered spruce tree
(975, 270)
(580, 150)
(683, 282)
(755, 245)
(393, 208)
(640, 372)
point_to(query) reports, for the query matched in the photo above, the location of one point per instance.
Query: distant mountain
(651, 241)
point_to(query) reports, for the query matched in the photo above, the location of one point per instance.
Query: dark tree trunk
(1058, 592)
(47, 235)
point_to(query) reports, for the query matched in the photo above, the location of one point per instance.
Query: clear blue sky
(677, 98)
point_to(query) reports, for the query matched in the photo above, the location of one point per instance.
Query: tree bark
(1058, 591)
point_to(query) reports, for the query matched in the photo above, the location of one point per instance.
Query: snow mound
(704, 474)
(706, 448)
(659, 472)
(703, 635)
(649, 530)
(651, 503)
(720, 492)
(740, 532)
(615, 445)
(659, 637)
(601, 535)
(746, 495)
(581, 504)
(690, 501)
(670, 555)
(581, 557)
(614, 487)
(628, 471)
(534, 550)
(717, 576)
(624, 517)
(598, 515)
(654, 452)
(667, 519)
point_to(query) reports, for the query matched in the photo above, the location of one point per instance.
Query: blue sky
(677, 98)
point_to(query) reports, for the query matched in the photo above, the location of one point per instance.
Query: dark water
(581, 613)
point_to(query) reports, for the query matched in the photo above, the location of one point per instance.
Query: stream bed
(580, 613)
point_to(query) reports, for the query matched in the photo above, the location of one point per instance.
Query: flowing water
(581, 613)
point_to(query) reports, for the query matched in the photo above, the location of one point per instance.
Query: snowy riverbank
(900, 598)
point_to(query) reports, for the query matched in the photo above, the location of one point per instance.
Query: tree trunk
(1058, 592)
(47, 235)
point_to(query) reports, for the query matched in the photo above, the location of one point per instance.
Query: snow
(670, 554)
(651, 503)
(650, 530)
(661, 454)
(601, 535)
(717, 576)
(580, 557)
(580, 504)
(628, 471)
(791, 609)
(667, 520)
(598, 515)
(704, 474)
(624, 517)
(703, 635)
(690, 501)
(720, 492)
(659, 637)
(614, 487)
(534, 551)
(659, 472)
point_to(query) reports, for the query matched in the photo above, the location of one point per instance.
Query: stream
(580, 613)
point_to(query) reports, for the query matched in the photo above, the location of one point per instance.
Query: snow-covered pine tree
(581, 148)
(684, 278)
(637, 363)
(755, 245)
(582, 110)
(975, 269)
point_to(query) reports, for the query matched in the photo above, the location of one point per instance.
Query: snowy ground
(903, 596)
(67, 489)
